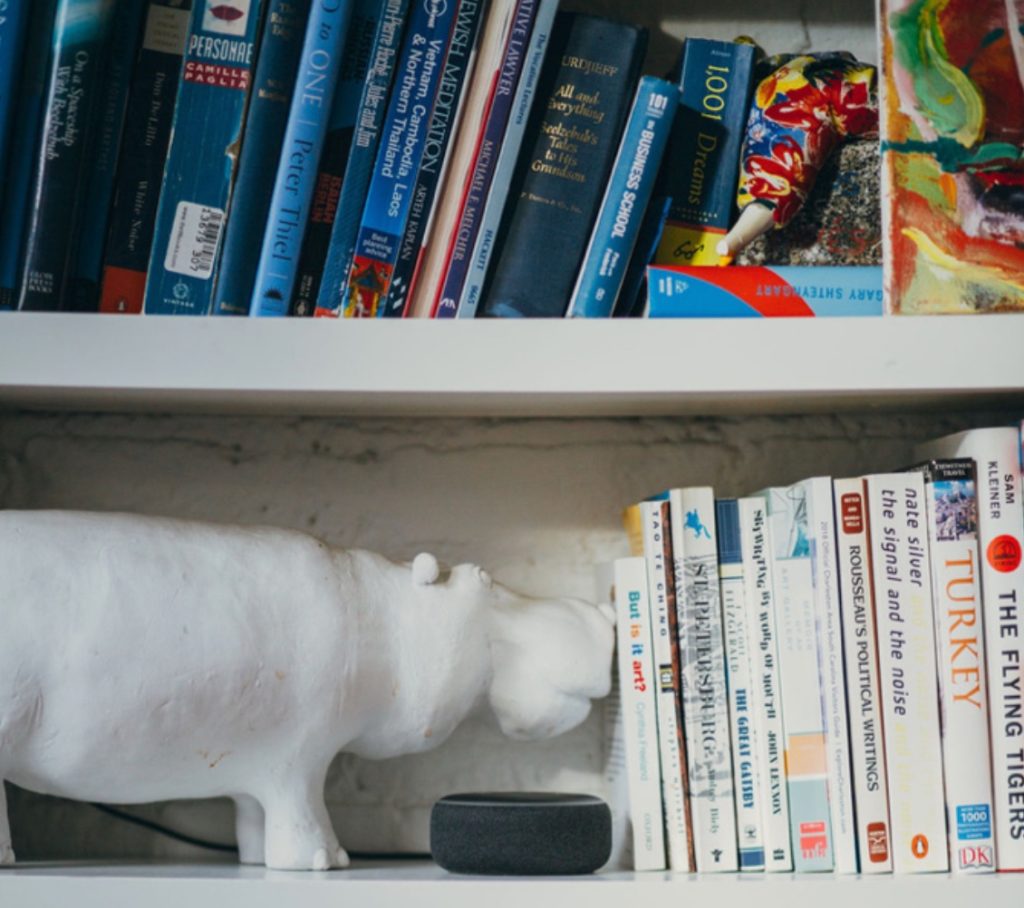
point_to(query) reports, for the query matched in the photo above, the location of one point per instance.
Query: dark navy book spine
(280, 48)
(84, 290)
(202, 160)
(486, 158)
(29, 104)
(355, 62)
(14, 21)
(80, 36)
(140, 165)
(399, 156)
(593, 67)
(308, 120)
(373, 103)
(443, 121)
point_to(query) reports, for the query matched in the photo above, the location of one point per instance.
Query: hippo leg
(299, 835)
(6, 851)
(249, 831)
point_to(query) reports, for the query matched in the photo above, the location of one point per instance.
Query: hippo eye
(485, 579)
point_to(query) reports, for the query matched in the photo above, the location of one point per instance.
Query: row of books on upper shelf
(365, 158)
(828, 675)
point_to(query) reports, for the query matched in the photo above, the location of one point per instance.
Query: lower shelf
(399, 885)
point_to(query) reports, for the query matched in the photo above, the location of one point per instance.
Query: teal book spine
(202, 161)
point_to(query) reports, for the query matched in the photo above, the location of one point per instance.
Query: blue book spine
(458, 65)
(629, 190)
(486, 158)
(29, 105)
(284, 27)
(399, 156)
(216, 78)
(632, 301)
(355, 63)
(14, 19)
(140, 164)
(113, 101)
(359, 169)
(300, 152)
(80, 34)
(522, 104)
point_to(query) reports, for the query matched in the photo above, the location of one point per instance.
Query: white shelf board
(424, 885)
(529, 367)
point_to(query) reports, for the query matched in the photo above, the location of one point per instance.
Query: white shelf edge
(426, 886)
(530, 367)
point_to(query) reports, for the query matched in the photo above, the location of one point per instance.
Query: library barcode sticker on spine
(194, 238)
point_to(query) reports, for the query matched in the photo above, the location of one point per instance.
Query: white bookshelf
(426, 886)
(508, 368)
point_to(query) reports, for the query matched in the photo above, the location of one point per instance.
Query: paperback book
(746, 764)
(901, 573)
(766, 692)
(640, 725)
(863, 692)
(952, 513)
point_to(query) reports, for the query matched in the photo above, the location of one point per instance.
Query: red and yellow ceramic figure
(800, 113)
(953, 154)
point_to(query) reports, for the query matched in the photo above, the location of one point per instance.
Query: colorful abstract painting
(953, 154)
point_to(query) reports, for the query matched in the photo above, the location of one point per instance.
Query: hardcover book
(140, 165)
(81, 31)
(202, 158)
(952, 511)
(117, 70)
(766, 692)
(806, 755)
(373, 101)
(702, 660)
(629, 191)
(996, 452)
(504, 167)
(640, 724)
(355, 61)
(399, 157)
(824, 572)
(656, 547)
(746, 764)
(14, 22)
(703, 157)
(591, 74)
(304, 136)
(283, 31)
(29, 104)
(863, 693)
(478, 35)
(901, 573)
(481, 169)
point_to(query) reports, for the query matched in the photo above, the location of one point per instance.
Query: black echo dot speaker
(520, 833)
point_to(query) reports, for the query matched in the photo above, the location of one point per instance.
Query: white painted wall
(535, 501)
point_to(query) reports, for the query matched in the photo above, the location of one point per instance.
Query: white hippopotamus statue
(146, 659)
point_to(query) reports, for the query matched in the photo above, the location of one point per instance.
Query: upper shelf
(492, 368)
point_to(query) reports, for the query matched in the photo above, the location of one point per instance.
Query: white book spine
(806, 764)
(906, 653)
(766, 696)
(661, 584)
(746, 768)
(825, 573)
(996, 453)
(705, 710)
(639, 722)
(867, 746)
(952, 502)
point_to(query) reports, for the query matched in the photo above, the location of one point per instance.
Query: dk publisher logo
(975, 857)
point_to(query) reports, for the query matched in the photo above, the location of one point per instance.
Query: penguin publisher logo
(226, 17)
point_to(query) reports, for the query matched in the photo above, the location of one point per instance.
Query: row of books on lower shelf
(828, 675)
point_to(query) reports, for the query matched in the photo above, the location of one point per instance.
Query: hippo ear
(425, 569)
